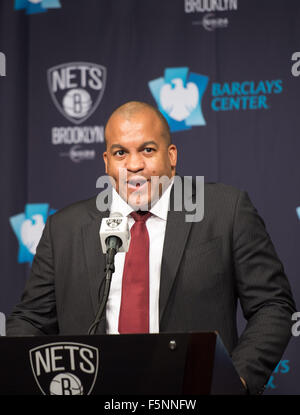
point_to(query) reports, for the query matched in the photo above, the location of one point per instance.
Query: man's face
(137, 147)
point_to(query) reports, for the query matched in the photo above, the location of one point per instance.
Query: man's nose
(135, 162)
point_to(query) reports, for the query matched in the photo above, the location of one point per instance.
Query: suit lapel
(95, 259)
(176, 236)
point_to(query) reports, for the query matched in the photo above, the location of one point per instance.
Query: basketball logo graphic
(65, 368)
(76, 89)
(113, 223)
(66, 384)
(77, 103)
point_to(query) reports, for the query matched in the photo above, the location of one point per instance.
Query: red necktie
(134, 311)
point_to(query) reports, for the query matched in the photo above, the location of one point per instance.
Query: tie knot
(140, 216)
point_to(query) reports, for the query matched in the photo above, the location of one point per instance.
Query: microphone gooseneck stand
(113, 245)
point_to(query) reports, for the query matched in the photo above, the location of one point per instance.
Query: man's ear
(172, 150)
(105, 160)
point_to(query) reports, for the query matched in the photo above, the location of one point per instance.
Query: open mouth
(137, 183)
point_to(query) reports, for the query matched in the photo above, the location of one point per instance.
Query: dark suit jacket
(206, 267)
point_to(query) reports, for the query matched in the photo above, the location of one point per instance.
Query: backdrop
(222, 73)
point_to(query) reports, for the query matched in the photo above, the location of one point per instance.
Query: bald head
(131, 109)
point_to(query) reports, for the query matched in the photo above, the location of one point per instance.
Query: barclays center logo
(36, 6)
(77, 89)
(28, 228)
(178, 95)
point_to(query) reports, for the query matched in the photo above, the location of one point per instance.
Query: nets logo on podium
(65, 368)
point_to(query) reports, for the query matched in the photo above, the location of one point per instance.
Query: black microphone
(114, 238)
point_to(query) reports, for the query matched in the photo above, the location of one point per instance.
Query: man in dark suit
(197, 270)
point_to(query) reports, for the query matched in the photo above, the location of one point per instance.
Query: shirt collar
(119, 205)
(160, 208)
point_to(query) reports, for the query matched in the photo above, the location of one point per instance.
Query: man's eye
(120, 153)
(148, 149)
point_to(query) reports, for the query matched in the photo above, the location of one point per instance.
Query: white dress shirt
(156, 226)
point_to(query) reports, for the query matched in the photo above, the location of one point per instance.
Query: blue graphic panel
(178, 96)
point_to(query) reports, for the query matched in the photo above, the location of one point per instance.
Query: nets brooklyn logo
(77, 89)
(65, 368)
(113, 223)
